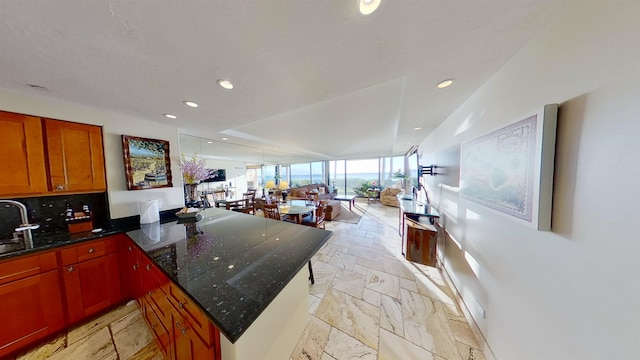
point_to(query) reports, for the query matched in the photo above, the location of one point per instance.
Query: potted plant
(193, 172)
(402, 176)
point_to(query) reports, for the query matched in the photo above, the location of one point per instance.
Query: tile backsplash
(49, 212)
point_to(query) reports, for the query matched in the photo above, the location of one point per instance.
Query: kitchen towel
(149, 211)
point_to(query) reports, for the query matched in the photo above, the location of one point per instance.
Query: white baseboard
(486, 349)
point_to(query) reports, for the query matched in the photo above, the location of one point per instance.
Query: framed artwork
(510, 170)
(147, 163)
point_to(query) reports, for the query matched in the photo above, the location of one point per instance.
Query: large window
(389, 166)
(337, 175)
(317, 172)
(268, 173)
(362, 174)
(300, 175)
(283, 172)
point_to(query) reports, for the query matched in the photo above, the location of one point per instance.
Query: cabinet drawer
(22, 267)
(159, 329)
(191, 312)
(157, 300)
(87, 251)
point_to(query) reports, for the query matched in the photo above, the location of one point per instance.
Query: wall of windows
(348, 176)
(351, 177)
(307, 173)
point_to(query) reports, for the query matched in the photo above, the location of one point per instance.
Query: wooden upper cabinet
(75, 156)
(22, 153)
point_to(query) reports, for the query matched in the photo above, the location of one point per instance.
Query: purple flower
(193, 170)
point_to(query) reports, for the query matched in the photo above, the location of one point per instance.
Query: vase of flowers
(193, 172)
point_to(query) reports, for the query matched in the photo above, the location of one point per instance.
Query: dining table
(296, 209)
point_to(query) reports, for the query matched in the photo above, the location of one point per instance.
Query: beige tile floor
(119, 334)
(367, 303)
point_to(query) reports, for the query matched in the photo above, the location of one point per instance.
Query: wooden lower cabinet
(182, 331)
(91, 278)
(186, 342)
(30, 301)
(91, 286)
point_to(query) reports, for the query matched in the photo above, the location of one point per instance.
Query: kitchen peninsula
(221, 272)
(246, 273)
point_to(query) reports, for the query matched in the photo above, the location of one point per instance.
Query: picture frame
(147, 163)
(510, 170)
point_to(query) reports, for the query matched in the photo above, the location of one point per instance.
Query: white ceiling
(313, 78)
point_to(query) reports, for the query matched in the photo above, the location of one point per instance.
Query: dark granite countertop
(233, 265)
(46, 238)
(53, 239)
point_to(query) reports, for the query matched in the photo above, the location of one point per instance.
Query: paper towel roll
(152, 231)
(148, 211)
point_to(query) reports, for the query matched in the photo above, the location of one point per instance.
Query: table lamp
(270, 185)
(283, 186)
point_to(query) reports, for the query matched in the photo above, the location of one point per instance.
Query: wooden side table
(421, 242)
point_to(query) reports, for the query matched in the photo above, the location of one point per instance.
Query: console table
(411, 211)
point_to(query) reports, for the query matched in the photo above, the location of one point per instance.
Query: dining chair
(250, 198)
(318, 221)
(218, 195)
(271, 211)
(311, 199)
(238, 206)
(270, 199)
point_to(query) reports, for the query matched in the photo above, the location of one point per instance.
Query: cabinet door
(76, 159)
(91, 286)
(22, 153)
(130, 268)
(187, 345)
(30, 309)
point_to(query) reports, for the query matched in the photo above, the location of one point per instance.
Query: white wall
(122, 202)
(571, 293)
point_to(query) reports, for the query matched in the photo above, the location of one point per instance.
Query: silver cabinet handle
(70, 269)
(181, 328)
(135, 266)
(180, 304)
(148, 267)
(59, 187)
(130, 248)
(91, 250)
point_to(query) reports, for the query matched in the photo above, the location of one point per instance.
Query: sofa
(301, 192)
(333, 206)
(388, 196)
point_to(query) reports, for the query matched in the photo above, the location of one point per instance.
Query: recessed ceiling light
(444, 83)
(417, 128)
(225, 84)
(191, 103)
(224, 138)
(170, 116)
(209, 142)
(367, 7)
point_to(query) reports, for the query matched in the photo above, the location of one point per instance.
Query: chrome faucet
(24, 227)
